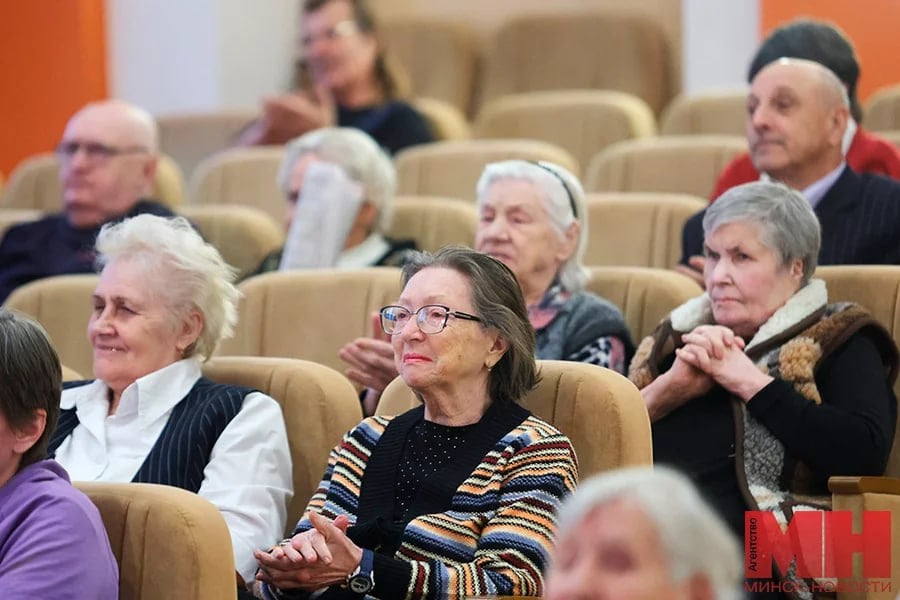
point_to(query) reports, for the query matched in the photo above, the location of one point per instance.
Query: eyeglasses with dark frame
(94, 151)
(431, 318)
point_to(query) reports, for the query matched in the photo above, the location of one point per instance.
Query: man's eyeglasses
(431, 318)
(94, 151)
(338, 30)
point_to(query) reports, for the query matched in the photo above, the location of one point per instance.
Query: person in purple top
(52, 541)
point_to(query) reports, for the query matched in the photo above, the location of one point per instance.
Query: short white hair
(357, 154)
(560, 190)
(185, 271)
(694, 539)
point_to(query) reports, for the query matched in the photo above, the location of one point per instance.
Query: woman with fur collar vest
(760, 390)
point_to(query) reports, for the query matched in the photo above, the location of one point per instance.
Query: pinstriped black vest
(182, 451)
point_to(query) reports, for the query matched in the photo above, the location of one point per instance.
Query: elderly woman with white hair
(339, 186)
(786, 388)
(164, 301)
(643, 534)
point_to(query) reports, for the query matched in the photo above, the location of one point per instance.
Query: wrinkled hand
(290, 115)
(719, 353)
(694, 269)
(371, 359)
(314, 559)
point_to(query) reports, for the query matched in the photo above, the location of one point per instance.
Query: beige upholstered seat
(63, 306)
(688, 164)
(581, 50)
(440, 57)
(69, 374)
(598, 409)
(637, 229)
(893, 136)
(721, 112)
(883, 109)
(319, 406)
(168, 543)
(434, 222)
(309, 314)
(581, 121)
(190, 137)
(243, 176)
(34, 184)
(445, 120)
(14, 216)
(453, 168)
(645, 296)
(244, 235)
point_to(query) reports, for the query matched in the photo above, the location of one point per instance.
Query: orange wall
(52, 61)
(872, 25)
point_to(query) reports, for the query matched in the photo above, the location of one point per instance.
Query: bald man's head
(796, 116)
(108, 160)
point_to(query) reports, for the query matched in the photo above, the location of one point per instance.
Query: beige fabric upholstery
(34, 184)
(646, 296)
(244, 235)
(453, 168)
(434, 222)
(581, 50)
(445, 120)
(319, 406)
(14, 216)
(688, 164)
(190, 137)
(69, 374)
(601, 412)
(440, 57)
(883, 109)
(62, 305)
(637, 229)
(240, 176)
(893, 136)
(169, 543)
(721, 112)
(309, 314)
(581, 121)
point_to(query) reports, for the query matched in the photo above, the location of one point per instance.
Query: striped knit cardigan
(497, 535)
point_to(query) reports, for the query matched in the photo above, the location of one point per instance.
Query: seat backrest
(452, 168)
(600, 411)
(893, 136)
(169, 543)
(34, 184)
(688, 164)
(62, 305)
(440, 57)
(243, 235)
(722, 112)
(883, 109)
(645, 296)
(318, 403)
(637, 229)
(309, 314)
(69, 374)
(14, 216)
(583, 122)
(445, 120)
(244, 176)
(190, 137)
(589, 50)
(434, 222)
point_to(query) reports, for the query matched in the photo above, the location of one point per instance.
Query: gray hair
(786, 221)
(184, 270)
(498, 301)
(557, 186)
(357, 154)
(695, 540)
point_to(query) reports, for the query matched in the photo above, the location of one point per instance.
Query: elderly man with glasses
(107, 157)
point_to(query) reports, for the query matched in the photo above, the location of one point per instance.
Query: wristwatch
(361, 581)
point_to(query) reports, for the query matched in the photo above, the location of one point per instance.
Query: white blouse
(249, 474)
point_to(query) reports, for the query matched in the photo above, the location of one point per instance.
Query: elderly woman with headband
(339, 186)
(533, 219)
(164, 301)
(786, 388)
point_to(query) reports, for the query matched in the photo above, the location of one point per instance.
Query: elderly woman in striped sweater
(458, 496)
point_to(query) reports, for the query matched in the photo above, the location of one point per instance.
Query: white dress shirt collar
(365, 254)
(815, 192)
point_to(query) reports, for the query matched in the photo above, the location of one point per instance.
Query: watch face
(360, 584)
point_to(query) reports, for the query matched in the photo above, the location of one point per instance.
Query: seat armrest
(864, 485)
